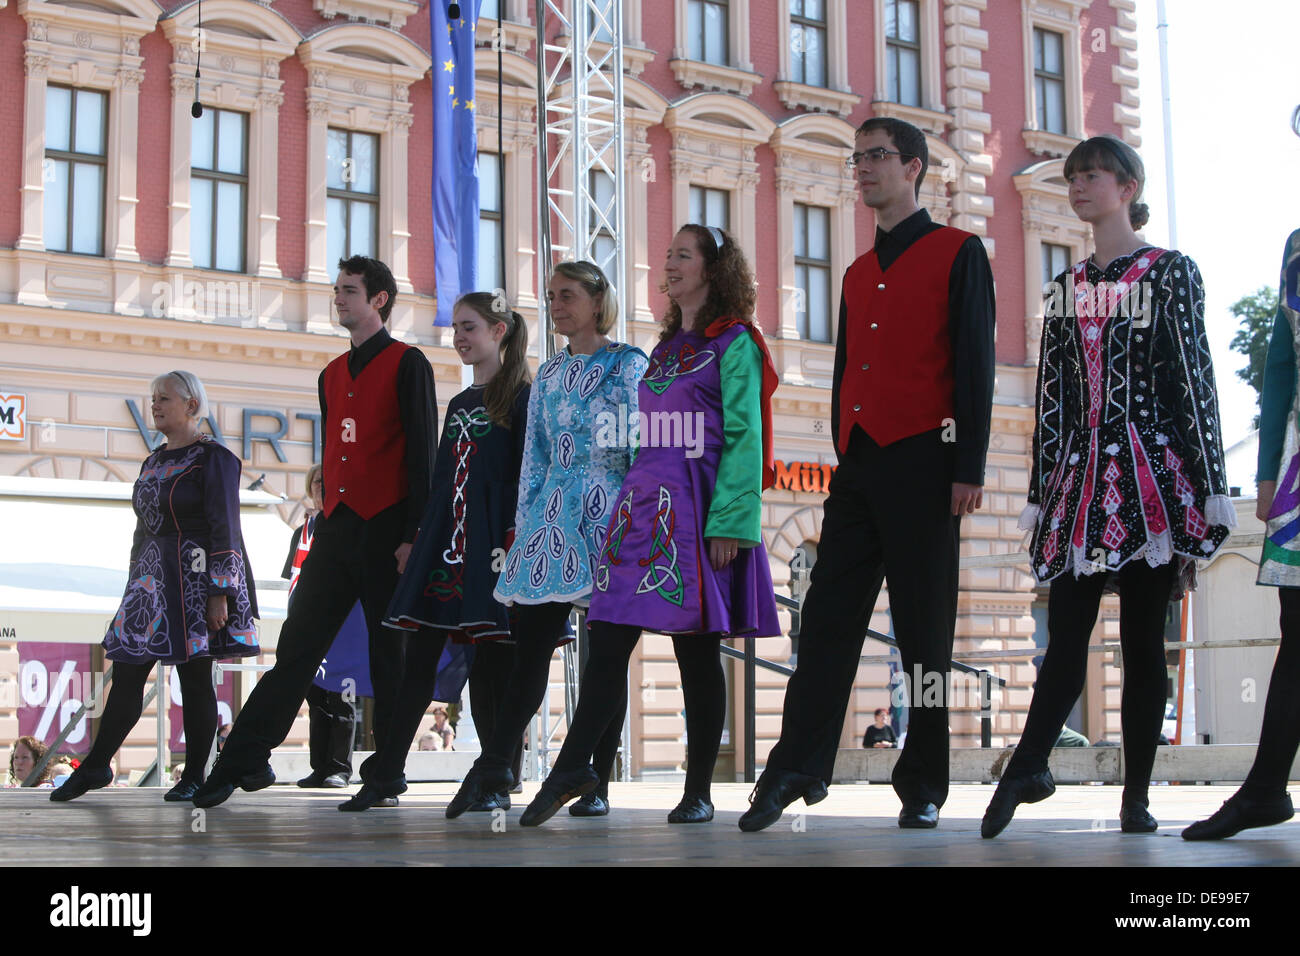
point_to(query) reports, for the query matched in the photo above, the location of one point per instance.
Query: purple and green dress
(697, 475)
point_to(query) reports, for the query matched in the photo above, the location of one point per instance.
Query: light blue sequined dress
(569, 478)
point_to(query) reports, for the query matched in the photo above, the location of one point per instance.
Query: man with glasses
(910, 408)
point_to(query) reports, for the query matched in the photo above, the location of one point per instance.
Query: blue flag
(455, 154)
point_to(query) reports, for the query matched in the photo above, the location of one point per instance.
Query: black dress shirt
(971, 322)
(418, 406)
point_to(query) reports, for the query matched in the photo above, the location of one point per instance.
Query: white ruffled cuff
(1028, 518)
(1219, 510)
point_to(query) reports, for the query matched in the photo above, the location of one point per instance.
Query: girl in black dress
(446, 590)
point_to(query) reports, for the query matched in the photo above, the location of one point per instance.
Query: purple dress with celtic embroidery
(697, 475)
(188, 545)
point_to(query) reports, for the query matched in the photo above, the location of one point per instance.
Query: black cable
(196, 108)
(501, 147)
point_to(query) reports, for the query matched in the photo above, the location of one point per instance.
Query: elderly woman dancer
(1128, 487)
(684, 554)
(189, 593)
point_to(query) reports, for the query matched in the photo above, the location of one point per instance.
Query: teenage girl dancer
(446, 590)
(1128, 487)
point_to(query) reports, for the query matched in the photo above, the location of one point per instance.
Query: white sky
(1234, 78)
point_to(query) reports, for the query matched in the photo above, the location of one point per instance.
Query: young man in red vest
(378, 419)
(910, 409)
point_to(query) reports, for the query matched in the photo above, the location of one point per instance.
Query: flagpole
(1162, 30)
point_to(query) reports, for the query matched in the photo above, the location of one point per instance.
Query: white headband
(717, 236)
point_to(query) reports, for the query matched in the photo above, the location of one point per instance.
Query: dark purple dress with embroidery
(187, 546)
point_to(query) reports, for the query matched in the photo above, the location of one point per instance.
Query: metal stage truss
(580, 158)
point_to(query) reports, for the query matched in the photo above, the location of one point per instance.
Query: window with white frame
(1049, 80)
(711, 207)
(489, 9)
(812, 272)
(1053, 71)
(352, 194)
(808, 47)
(1056, 259)
(219, 189)
(903, 52)
(491, 270)
(706, 31)
(76, 159)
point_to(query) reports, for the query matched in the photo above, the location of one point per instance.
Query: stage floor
(855, 826)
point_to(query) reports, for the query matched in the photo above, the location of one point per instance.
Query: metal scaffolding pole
(580, 151)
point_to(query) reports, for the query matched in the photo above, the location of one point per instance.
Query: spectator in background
(443, 730)
(26, 754)
(880, 736)
(430, 741)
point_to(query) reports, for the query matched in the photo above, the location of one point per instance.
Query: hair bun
(1138, 214)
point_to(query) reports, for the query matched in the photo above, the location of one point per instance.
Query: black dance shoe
(374, 795)
(330, 781)
(490, 802)
(692, 809)
(218, 787)
(1135, 818)
(183, 792)
(557, 790)
(918, 815)
(80, 782)
(775, 791)
(1236, 814)
(1011, 792)
(594, 804)
(483, 782)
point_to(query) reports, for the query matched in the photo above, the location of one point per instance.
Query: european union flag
(455, 154)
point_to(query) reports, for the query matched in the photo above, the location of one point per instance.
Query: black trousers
(351, 559)
(888, 515)
(332, 728)
(1279, 737)
(413, 698)
(1072, 605)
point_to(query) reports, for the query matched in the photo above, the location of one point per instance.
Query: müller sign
(803, 476)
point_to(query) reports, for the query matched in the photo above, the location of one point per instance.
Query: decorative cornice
(711, 76)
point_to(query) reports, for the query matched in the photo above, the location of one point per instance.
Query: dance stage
(855, 826)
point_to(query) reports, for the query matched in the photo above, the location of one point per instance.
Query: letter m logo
(13, 417)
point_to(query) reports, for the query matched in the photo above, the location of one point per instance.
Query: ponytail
(499, 396)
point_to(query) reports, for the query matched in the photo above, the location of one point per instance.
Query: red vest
(898, 369)
(365, 444)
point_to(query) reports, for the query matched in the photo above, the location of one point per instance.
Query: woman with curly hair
(25, 755)
(683, 552)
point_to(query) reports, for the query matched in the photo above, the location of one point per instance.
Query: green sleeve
(736, 511)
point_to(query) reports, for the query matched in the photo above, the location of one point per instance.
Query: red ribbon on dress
(770, 381)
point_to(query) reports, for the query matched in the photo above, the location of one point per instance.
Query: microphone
(453, 11)
(196, 108)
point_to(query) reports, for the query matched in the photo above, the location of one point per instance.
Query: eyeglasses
(872, 156)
